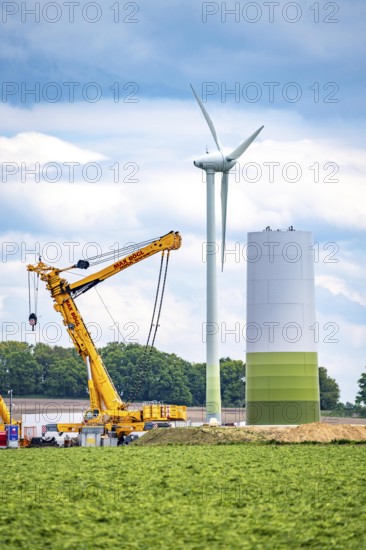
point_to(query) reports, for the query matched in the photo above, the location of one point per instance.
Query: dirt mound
(198, 436)
(204, 435)
(322, 432)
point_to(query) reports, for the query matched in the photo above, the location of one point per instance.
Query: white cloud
(338, 286)
(31, 147)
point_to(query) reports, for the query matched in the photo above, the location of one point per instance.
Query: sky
(99, 130)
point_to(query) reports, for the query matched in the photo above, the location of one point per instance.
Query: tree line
(54, 371)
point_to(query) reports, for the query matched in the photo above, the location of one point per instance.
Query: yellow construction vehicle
(5, 417)
(19, 435)
(14, 427)
(107, 409)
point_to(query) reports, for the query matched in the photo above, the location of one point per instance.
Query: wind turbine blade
(208, 120)
(224, 192)
(243, 146)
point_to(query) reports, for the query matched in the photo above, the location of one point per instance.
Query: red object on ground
(3, 439)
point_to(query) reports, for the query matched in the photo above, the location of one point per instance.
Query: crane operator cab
(91, 414)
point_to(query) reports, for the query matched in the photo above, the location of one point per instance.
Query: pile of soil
(324, 433)
(318, 431)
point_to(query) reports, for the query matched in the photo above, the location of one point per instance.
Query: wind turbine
(211, 163)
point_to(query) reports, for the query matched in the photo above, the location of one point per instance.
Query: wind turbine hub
(214, 162)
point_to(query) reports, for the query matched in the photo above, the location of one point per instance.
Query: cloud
(338, 286)
(171, 45)
(31, 147)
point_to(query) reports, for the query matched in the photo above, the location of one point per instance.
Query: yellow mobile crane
(107, 408)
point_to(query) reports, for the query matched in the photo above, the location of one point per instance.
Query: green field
(179, 497)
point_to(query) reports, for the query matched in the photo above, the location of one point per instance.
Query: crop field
(222, 496)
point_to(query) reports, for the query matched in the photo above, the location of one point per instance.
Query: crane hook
(32, 320)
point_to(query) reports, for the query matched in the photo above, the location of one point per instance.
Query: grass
(194, 497)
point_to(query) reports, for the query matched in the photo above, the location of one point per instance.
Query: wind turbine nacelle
(214, 162)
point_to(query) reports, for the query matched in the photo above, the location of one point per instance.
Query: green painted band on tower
(213, 393)
(281, 412)
(282, 388)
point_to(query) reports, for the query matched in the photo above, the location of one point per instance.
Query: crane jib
(127, 261)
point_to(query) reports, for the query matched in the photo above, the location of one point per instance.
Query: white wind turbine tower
(211, 163)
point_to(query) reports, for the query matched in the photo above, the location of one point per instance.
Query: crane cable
(33, 315)
(116, 254)
(161, 299)
(109, 313)
(146, 357)
(156, 301)
(145, 360)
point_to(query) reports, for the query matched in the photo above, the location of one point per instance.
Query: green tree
(18, 368)
(156, 376)
(122, 362)
(167, 379)
(232, 382)
(329, 390)
(196, 380)
(66, 378)
(361, 396)
(63, 371)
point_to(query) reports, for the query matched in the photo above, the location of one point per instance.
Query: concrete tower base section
(282, 381)
(283, 388)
